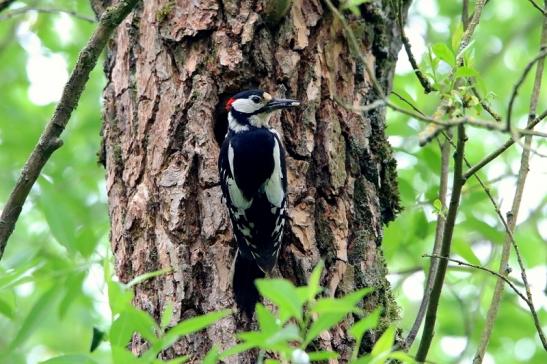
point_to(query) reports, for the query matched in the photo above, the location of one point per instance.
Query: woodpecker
(253, 179)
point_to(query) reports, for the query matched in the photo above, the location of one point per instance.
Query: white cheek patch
(246, 106)
(273, 186)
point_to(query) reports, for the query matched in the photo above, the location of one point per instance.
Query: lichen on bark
(170, 67)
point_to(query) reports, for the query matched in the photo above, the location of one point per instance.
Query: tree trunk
(170, 68)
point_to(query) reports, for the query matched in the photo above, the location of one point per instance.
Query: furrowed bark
(170, 69)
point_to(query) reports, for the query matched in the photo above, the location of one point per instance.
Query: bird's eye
(255, 99)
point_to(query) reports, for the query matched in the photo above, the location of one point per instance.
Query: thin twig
(421, 77)
(373, 105)
(535, 5)
(520, 81)
(26, 9)
(509, 233)
(505, 279)
(5, 4)
(439, 231)
(465, 13)
(457, 184)
(465, 119)
(501, 149)
(485, 104)
(511, 222)
(49, 140)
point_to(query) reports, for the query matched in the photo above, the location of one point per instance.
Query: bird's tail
(245, 272)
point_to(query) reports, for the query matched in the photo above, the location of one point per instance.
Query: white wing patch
(273, 187)
(238, 200)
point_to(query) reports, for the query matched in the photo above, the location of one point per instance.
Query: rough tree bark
(169, 68)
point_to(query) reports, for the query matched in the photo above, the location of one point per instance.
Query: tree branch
(49, 140)
(439, 232)
(457, 184)
(5, 4)
(23, 10)
(423, 80)
(538, 58)
(511, 221)
(535, 5)
(501, 149)
(505, 279)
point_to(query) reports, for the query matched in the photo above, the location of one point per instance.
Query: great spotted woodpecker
(253, 179)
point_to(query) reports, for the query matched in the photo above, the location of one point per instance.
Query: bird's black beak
(276, 104)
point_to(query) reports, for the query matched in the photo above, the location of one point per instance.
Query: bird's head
(253, 108)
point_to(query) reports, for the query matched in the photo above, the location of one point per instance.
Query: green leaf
(7, 307)
(130, 322)
(283, 294)
(149, 275)
(444, 53)
(73, 289)
(370, 321)
(265, 319)
(323, 323)
(190, 326)
(121, 355)
(465, 71)
(35, 317)
(70, 359)
(401, 357)
(212, 356)
(322, 355)
(457, 36)
(334, 305)
(166, 315)
(384, 343)
(463, 249)
(119, 298)
(314, 284)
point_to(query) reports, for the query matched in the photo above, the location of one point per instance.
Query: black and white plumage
(253, 178)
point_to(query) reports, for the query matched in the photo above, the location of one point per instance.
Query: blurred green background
(52, 290)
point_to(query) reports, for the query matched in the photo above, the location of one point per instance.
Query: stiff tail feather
(245, 292)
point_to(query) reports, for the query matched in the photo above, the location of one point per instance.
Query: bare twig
(485, 104)
(445, 124)
(509, 233)
(511, 221)
(373, 105)
(5, 4)
(26, 9)
(505, 279)
(520, 81)
(535, 5)
(465, 13)
(421, 77)
(443, 188)
(49, 140)
(502, 148)
(457, 184)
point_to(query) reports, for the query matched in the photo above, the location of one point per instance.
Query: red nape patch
(229, 103)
